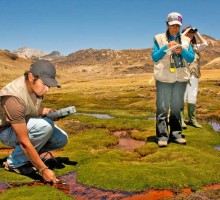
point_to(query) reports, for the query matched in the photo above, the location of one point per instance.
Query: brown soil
(126, 142)
(4, 186)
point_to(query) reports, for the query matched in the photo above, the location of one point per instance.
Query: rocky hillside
(214, 64)
(11, 66)
(11, 62)
(55, 55)
(105, 62)
(126, 61)
(211, 52)
(25, 52)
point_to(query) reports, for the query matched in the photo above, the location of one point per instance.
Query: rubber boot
(192, 116)
(183, 124)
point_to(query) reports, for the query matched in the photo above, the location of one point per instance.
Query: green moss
(34, 193)
(91, 141)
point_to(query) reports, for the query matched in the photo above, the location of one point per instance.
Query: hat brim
(50, 82)
(175, 22)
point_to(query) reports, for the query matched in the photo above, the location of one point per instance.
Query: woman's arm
(189, 54)
(158, 52)
(202, 42)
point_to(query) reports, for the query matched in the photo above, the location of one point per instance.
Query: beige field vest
(162, 67)
(194, 67)
(18, 89)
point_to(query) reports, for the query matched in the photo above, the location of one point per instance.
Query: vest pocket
(183, 74)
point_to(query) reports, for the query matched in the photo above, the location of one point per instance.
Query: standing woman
(195, 74)
(171, 54)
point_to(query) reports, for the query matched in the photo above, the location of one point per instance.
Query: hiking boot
(24, 169)
(183, 124)
(194, 123)
(177, 137)
(179, 140)
(162, 143)
(192, 116)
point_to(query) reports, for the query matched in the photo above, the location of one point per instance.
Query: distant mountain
(108, 62)
(29, 53)
(55, 55)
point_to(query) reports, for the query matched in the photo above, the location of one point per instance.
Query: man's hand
(33, 156)
(49, 176)
(44, 111)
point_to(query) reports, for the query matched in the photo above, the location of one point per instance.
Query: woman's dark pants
(169, 101)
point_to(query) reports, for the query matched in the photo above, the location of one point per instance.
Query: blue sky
(71, 25)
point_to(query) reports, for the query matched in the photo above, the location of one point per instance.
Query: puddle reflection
(100, 116)
(217, 148)
(215, 126)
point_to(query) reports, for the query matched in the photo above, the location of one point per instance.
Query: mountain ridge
(29, 53)
(108, 62)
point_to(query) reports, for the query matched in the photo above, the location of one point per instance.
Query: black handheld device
(62, 112)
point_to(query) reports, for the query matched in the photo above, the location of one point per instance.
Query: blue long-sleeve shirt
(158, 52)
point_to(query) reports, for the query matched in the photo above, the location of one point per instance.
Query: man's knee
(63, 140)
(48, 125)
(45, 126)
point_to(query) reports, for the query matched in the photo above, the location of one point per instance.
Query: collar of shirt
(174, 37)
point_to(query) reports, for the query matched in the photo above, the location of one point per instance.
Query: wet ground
(99, 116)
(69, 185)
(126, 142)
(215, 125)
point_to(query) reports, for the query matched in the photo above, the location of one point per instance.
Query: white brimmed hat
(174, 18)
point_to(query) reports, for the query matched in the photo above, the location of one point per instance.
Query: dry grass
(210, 74)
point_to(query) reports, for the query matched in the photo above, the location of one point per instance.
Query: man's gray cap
(46, 72)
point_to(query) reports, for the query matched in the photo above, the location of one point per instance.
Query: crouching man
(23, 124)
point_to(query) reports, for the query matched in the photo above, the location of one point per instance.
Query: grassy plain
(130, 100)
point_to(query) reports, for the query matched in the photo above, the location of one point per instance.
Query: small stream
(69, 185)
(99, 116)
(216, 127)
(4, 186)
